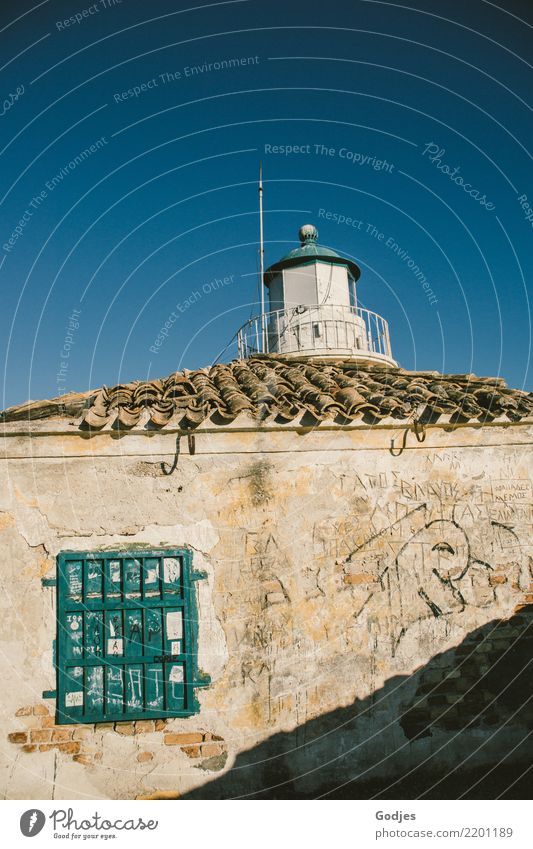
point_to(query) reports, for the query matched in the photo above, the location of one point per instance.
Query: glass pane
(113, 579)
(93, 579)
(173, 628)
(153, 638)
(134, 633)
(154, 688)
(353, 297)
(74, 635)
(175, 686)
(134, 689)
(73, 691)
(94, 687)
(114, 634)
(172, 574)
(115, 689)
(94, 634)
(74, 574)
(151, 577)
(132, 578)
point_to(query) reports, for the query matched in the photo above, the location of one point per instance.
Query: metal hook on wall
(397, 452)
(419, 432)
(176, 457)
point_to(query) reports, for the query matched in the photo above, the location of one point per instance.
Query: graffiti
(440, 567)
(135, 630)
(135, 688)
(512, 491)
(74, 579)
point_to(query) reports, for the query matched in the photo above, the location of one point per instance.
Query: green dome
(310, 251)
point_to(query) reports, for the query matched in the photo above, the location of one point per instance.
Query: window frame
(352, 293)
(186, 602)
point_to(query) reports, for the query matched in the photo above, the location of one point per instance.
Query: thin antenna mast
(261, 259)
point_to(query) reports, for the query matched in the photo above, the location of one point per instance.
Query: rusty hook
(175, 461)
(419, 432)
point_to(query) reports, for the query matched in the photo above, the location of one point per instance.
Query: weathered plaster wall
(333, 568)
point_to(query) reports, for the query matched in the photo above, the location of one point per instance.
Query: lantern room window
(352, 292)
(126, 636)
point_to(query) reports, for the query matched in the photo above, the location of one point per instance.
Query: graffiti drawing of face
(447, 549)
(422, 581)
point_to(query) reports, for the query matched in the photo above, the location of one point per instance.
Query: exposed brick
(143, 726)
(210, 750)
(40, 736)
(192, 751)
(144, 757)
(160, 724)
(86, 760)
(124, 728)
(82, 734)
(61, 735)
(70, 748)
(40, 710)
(359, 578)
(104, 726)
(28, 748)
(24, 711)
(184, 739)
(497, 579)
(47, 722)
(17, 737)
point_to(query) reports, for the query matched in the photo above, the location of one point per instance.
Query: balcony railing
(317, 329)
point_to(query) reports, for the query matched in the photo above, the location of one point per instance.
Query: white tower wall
(276, 300)
(332, 284)
(312, 313)
(299, 285)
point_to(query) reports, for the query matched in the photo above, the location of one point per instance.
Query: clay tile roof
(279, 389)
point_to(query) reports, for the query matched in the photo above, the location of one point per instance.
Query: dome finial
(308, 234)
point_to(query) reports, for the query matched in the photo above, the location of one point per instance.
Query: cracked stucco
(299, 613)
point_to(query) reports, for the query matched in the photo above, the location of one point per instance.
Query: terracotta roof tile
(271, 387)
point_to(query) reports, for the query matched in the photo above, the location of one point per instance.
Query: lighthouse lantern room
(313, 309)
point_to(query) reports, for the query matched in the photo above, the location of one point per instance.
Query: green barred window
(126, 636)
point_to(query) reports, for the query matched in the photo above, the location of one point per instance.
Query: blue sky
(130, 148)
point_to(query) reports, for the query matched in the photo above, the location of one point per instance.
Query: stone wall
(338, 578)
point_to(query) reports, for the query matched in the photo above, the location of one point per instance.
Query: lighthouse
(313, 309)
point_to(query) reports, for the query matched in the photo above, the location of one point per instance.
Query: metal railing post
(340, 327)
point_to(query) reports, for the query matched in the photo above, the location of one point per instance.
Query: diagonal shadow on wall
(461, 726)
